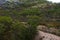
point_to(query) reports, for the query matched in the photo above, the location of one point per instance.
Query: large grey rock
(49, 30)
(46, 36)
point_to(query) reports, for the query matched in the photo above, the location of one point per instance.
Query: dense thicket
(15, 30)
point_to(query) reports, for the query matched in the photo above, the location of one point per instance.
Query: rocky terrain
(46, 36)
(51, 30)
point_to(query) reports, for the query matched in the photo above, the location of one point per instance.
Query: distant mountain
(2, 1)
(9, 3)
(13, 0)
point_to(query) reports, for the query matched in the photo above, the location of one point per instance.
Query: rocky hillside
(35, 15)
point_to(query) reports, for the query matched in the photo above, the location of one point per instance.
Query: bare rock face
(41, 27)
(49, 30)
(46, 36)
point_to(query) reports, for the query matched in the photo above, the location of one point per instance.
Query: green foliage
(33, 12)
(34, 20)
(15, 30)
(5, 23)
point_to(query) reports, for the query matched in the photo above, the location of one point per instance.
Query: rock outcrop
(51, 30)
(46, 36)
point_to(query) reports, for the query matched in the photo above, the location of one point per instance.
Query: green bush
(15, 30)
